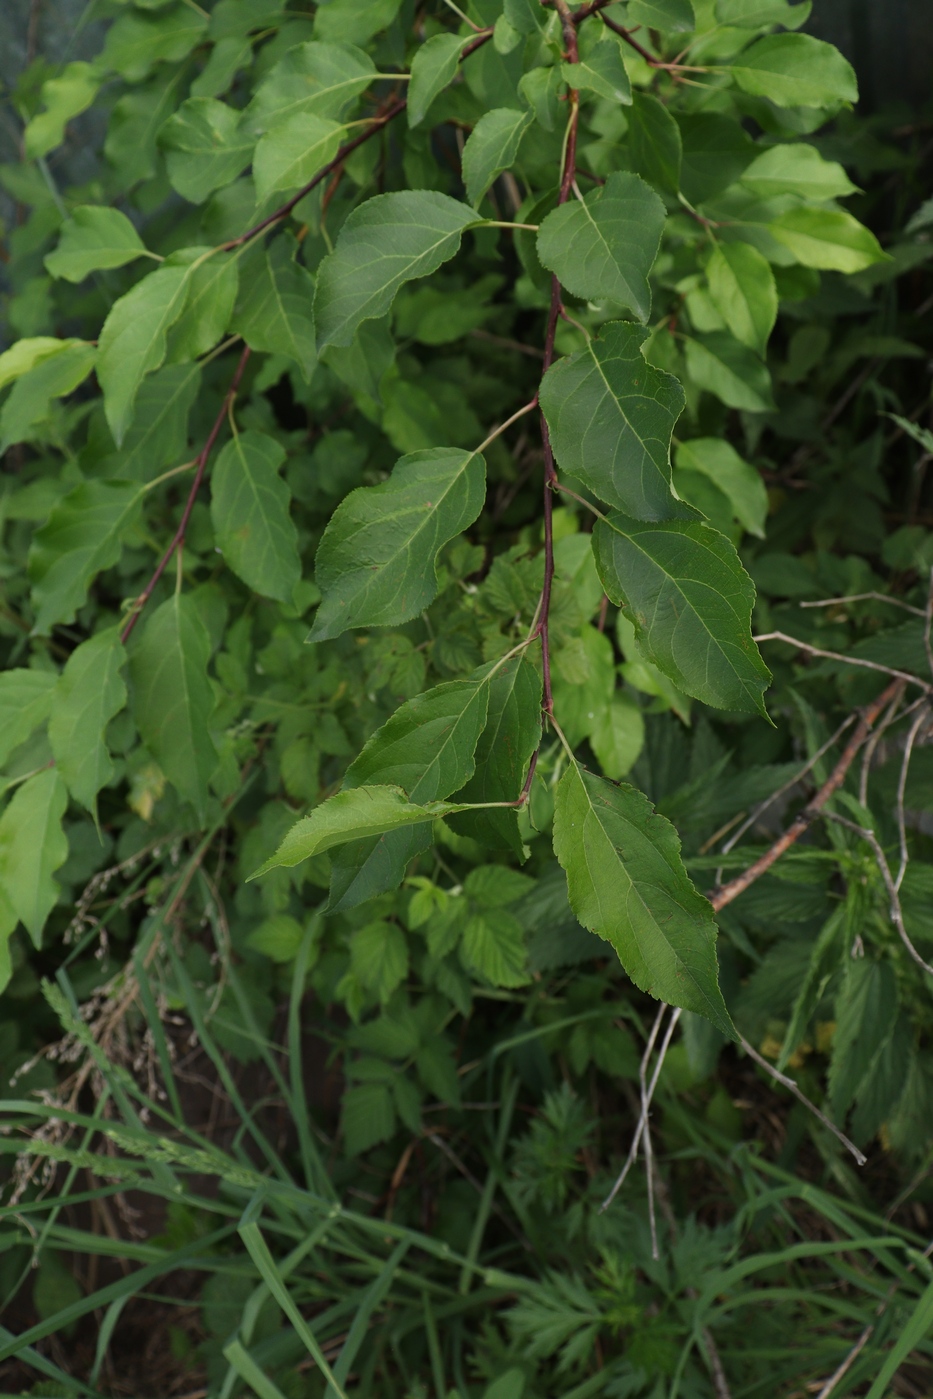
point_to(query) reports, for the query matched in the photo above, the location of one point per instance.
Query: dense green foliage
(406, 429)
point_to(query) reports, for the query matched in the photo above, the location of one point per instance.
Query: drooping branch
(728, 892)
(178, 538)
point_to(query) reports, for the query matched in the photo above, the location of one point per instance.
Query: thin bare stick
(801, 1097)
(897, 913)
(727, 892)
(845, 660)
(923, 714)
(866, 597)
(872, 744)
(646, 1097)
(786, 786)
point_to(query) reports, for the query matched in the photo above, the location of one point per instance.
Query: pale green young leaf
(212, 292)
(32, 847)
(250, 513)
(725, 367)
(617, 735)
(354, 21)
(510, 736)
(627, 884)
(427, 749)
(27, 353)
(610, 416)
(829, 239)
(133, 339)
(541, 89)
(355, 814)
(274, 310)
(292, 151)
(25, 702)
(753, 14)
(491, 148)
(83, 535)
(379, 957)
(601, 70)
(88, 695)
(671, 16)
(206, 146)
(603, 247)
(376, 564)
(63, 97)
(799, 169)
(384, 243)
(172, 696)
(432, 69)
(493, 947)
(720, 462)
(53, 377)
(682, 585)
(314, 77)
(795, 70)
(744, 292)
(93, 238)
(655, 142)
(136, 42)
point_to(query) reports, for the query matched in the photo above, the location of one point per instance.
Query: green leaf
(601, 70)
(491, 148)
(511, 734)
(603, 247)
(64, 97)
(354, 814)
(910, 1334)
(158, 435)
(671, 16)
(315, 77)
(716, 152)
(250, 515)
(358, 20)
(617, 736)
(433, 67)
(379, 957)
(25, 702)
(384, 243)
(137, 42)
(610, 416)
(627, 884)
(866, 1011)
(753, 14)
(829, 239)
(292, 151)
(53, 377)
(493, 947)
(376, 564)
(90, 692)
(723, 366)
(133, 340)
(744, 292)
(715, 458)
(173, 699)
(655, 142)
(690, 599)
(212, 292)
(799, 169)
(795, 70)
(93, 238)
(426, 748)
(273, 313)
(32, 847)
(367, 1116)
(541, 88)
(207, 146)
(26, 354)
(83, 535)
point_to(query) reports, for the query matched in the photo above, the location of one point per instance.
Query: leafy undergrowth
(439, 955)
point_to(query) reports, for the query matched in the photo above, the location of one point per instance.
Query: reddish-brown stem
(862, 731)
(585, 11)
(626, 34)
(178, 538)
